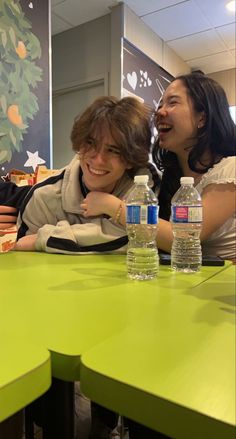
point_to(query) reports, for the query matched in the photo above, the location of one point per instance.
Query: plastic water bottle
(186, 218)
(141, 225)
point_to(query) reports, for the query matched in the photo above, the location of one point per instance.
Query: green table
(172, 366)
(68, 304)
(25, 374)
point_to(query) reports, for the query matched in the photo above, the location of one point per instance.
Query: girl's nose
(161, 111)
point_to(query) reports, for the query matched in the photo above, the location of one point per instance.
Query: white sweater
(223, 242)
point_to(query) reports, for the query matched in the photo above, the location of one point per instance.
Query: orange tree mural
(19, 75)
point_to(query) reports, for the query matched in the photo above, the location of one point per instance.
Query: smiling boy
(81, 209)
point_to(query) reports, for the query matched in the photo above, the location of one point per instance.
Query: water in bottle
(141, 225)
(186, 218)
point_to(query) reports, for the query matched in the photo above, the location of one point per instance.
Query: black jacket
(12, 195)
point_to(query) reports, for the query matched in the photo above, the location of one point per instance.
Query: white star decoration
(33, 160)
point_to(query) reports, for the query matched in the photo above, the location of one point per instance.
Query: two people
(196, 137)
(82, 209)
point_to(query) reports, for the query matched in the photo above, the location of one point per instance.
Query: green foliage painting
(19, 75)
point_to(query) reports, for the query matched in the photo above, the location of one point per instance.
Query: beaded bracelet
(118, 213)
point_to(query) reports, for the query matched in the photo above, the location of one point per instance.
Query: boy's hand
(97, 203)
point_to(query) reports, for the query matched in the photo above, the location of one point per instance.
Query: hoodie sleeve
(12, 195)
(94, 237)
(42, 215)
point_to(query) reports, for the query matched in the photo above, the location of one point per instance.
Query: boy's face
(101, 163)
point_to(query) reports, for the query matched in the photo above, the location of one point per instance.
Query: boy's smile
(101, 164)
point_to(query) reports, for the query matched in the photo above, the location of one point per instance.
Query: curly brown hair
(128, 121)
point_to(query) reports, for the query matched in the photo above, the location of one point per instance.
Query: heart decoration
(132, 80)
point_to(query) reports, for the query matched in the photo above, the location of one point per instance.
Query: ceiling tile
(141, 7)
(197, 45)
(214, 63)
(216, 12)
(58, 25)
(177, 21)
(83, 11)
(227, 33)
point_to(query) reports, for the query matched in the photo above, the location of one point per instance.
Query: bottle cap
(186, 180)
(141, 179)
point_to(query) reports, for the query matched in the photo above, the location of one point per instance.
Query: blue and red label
(141, 214)
(186, 214)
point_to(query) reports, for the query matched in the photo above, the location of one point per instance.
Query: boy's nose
(99, 155)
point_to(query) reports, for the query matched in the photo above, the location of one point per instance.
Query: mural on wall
(142, 77)
(24, 85)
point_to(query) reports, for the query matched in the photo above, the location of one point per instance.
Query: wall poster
(142, 77)
(25, 95)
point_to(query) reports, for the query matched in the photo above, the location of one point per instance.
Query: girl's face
(101, 163)
(177, 121)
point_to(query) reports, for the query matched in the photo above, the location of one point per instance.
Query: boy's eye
(113, 150)
(90, 142)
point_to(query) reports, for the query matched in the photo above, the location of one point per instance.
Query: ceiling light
(231, 6)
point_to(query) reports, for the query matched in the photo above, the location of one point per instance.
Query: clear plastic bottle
(186, 218)
(141, 225)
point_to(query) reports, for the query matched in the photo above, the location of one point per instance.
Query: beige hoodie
(52, 210)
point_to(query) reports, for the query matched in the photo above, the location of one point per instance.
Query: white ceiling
(201, 32)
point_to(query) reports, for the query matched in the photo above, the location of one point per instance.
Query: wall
(80, 66)
(24, 86)
(81, 54)
(227, 79)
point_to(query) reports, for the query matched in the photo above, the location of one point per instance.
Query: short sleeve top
(223, 241)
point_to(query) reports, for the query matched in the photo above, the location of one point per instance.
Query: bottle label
(186, 214)
(141, 214)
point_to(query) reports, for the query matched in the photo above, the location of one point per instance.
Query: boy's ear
(202, 120)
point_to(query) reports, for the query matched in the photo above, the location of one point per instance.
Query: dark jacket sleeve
(12, 195)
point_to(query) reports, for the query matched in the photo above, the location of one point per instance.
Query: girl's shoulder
(221, 173)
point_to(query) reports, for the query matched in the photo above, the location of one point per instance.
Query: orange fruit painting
(21, 50)
(14, 115)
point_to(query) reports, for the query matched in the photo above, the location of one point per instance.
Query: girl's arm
(218, 201)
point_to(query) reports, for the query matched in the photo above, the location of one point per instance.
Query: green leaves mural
(19, 75)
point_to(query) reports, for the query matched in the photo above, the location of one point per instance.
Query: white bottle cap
(186, 180)
(141, 179)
